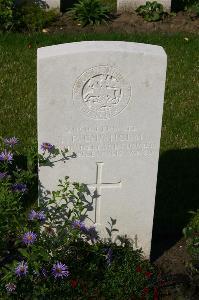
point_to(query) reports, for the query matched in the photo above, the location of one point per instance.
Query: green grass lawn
(18, 84)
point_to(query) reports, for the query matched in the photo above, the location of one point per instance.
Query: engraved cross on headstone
(98, 186)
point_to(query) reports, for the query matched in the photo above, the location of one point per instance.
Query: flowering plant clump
(17, 188)
(56, 254)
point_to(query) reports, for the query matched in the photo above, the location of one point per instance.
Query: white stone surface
(129, 5)
(53, 3)
(104, 100)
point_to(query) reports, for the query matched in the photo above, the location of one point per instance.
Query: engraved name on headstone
(104, 101)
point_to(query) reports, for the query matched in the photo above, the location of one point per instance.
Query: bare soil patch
(130, 23)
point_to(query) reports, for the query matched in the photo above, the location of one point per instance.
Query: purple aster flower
(11, 141)
(21, 269)
(60, 270)
(10, 287)
(29, 238)
(47, 147)
(19, 187)
(6, 156)
(32, 215)
(41, 216)
(92, 233)
(79, 225)
(3, 175)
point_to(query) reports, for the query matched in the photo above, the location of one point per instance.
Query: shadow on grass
(177, 193)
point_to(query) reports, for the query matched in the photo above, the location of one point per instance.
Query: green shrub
(55, 254)
(29, 15)
(194, 9)
(32, 17)
(10, 215)
(6, 14)
(17, 176)
(90, 12)
(151, 11)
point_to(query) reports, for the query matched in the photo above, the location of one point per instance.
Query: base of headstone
(130, 5)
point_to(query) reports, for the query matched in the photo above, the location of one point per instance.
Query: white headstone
(53, 3)
(129, 5)
(104, 100)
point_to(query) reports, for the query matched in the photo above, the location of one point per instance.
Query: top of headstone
(88, 46)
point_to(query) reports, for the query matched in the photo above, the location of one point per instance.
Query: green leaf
(24, 252)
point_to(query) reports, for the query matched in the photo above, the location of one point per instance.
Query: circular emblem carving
(101, 92)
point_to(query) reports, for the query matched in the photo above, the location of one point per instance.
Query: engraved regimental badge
(101, 92)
